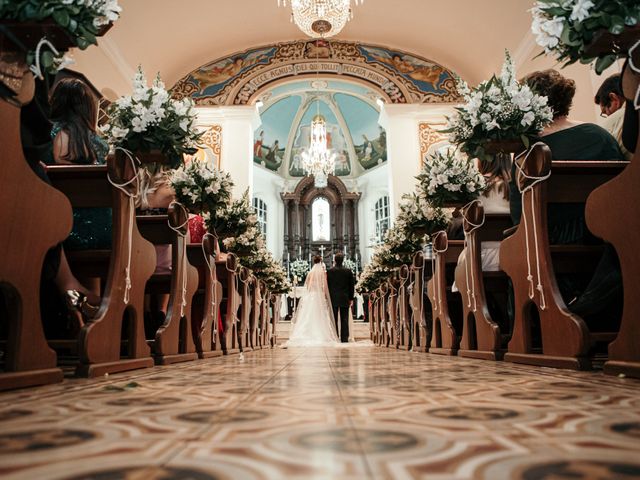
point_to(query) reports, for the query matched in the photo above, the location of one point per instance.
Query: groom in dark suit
(341, 289)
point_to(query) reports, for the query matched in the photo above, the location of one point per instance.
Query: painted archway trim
(238, 79)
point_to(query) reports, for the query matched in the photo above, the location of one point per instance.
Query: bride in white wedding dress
(313, 324)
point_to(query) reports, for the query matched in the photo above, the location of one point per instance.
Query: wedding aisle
(325, 413)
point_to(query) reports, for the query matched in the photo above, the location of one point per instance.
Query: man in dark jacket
(341, 289)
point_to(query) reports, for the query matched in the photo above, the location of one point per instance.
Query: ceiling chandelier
(320, 18)
(318, 160)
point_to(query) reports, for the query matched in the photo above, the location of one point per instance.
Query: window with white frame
(382, 217)
(261, 212)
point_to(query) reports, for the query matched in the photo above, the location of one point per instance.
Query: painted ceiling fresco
(397, 76)
(351, 115)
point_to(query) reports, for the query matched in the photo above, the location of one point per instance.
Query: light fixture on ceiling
(320, 18)
(318, 160)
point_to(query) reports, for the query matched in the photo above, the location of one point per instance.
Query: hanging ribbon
(436, 278)
(636, 69)
(470, 251)
(183, 253)
(529, 188)
(211, 266)
(131, 213)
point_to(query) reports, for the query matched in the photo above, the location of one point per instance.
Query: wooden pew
(481, 335)
(419, 303)
(264, 317)
(383, 316)
(206, 317)
(566, 339)
(405, 326)
(276, 303)
(100, 340)
(444, 337)
(244, 277)
(174, 340)
(392, 311)
(621, 194)
(34, 218)
(230, 303)
(256, 313)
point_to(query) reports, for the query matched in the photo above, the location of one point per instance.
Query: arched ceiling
(466, 36)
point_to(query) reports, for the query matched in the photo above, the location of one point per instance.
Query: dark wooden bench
(230, 303)
(621, 194)
(206, 312)
(404, 333)
(384, 336)
(114, 341)
(34, 218)
(566, 339)
(419, 302)
(173, 341)
(392, 311)
(481, 336)
(244, 285)
(444, 337)
(257, 288)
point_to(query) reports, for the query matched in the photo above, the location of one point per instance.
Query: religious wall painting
(336, 140)
(369, 138)
(241, 78)
(270, 139)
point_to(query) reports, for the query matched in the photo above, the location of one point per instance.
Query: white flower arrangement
(299, 268)
(418, 216)
(350, 264)
(149, 119)
(372, 276)
(233, 218)
(201, 189)
(566, 28)
(448, 176)
(497, 109)
(246, 244)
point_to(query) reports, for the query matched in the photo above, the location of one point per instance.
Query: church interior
(176, 173)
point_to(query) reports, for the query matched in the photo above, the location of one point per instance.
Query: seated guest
(571, 140)
(74, 112)
(612, 107)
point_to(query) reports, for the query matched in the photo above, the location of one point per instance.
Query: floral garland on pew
(233, 219)
(372, 276)
(447, 176)
(567, 28)
(419, 216)
(265, 268)
(149, 119)
(82, 21)
(499, 109)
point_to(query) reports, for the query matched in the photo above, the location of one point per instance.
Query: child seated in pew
(572, 140)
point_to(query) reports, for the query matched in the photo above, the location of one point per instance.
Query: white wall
(372, 185)
(267, 186)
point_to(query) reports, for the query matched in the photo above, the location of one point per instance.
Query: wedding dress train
(313, 324)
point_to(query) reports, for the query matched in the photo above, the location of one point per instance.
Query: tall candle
(344, 249)
(300, 251)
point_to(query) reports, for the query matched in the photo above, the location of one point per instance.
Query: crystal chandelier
(318, 160)
(320, 18)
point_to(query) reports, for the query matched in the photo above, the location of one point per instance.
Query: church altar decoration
(567, 28)
(320, 18)
(418, 216)
(81, 20)
(351, 265)
(299, 268)
(149, 119)
(233, 219)
(201, 189)
(447, 176)
(499, 109)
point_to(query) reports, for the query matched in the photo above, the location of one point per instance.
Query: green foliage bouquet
(419, 217)
(566, 28)
(498, 109)
(82, 21)
(233, 219)
(149, 119)
(449, 177)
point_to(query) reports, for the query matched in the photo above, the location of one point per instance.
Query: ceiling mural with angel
(351, 115)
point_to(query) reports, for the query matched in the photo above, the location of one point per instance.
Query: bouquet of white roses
(497, 109)
(233, 219)
(149, 119)
(449, 177)
(275, 278)
(419, 217)
(201, 189)
(566, 28)
(299, 268)
(81, 19)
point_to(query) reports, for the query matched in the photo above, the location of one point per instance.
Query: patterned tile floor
(326, 413)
